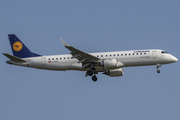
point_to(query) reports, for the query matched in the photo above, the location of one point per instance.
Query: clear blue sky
(91, 26)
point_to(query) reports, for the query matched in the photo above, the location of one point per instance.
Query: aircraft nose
(174, 59)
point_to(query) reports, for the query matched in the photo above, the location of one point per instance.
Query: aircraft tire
(158, 71)
(94, 78)
(90, 73)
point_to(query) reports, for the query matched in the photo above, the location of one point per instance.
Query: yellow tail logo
(17, 46)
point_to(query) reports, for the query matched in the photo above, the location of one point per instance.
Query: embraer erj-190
(109, 63)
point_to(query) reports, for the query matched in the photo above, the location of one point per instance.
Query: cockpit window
(163, 52)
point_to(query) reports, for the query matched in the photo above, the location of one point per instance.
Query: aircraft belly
(61, 66)
(76, 66)
(65, 66)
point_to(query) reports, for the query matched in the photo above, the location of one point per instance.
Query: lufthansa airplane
(109, 63)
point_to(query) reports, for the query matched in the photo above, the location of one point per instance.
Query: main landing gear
(90, 73)
(158, 65)
(94, 78)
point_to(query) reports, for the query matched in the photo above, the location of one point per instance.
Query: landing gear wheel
(90, 73)
(94, 78)
(158, 65)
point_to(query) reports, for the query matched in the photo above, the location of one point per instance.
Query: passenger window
(68, 58)
(121, 54)
(125, 54)
(60, 58)
(49, 59)
(98, 56)
(145, 53)
(101, 55)
(53, 59)
(133, 54)
(114, 55)
(110, 55)
(136, 53)
(106, 55)
(129, 54)
(64, 58)
(141, 53)
(117, 54)
(56, 58)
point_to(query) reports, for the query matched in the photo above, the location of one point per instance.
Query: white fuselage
(128, 58)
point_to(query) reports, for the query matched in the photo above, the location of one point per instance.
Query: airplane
(109, 63)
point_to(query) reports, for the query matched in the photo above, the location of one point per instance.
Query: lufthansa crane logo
(17, 46)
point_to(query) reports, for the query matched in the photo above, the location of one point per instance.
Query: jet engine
(111, 64)
(115, 72)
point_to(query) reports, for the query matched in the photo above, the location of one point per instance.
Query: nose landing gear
(158, 71)
(158, 65)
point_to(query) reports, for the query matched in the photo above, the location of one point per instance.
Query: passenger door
(154, 54)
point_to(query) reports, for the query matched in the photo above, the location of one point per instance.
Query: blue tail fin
(19, 49)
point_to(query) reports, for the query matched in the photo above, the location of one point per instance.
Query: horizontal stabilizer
(13, 58)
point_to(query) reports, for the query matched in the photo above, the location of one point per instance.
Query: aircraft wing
(80, 55)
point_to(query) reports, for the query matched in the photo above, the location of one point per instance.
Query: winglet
(66, 45)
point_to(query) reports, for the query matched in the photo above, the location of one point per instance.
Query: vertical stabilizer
(19, 49)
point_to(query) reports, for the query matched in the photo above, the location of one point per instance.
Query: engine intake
(115, 72)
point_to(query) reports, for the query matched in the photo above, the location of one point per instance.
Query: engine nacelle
(115, 72)
(111, 64)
